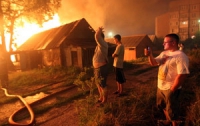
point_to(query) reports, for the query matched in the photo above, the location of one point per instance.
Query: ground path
(67, 116)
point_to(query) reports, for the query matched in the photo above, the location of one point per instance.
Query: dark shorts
(120, 78)
(100, 75)
(169, 101)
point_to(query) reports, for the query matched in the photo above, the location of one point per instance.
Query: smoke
(125, 17)
(92, 10)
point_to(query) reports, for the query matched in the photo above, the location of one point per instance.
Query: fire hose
(11, 121)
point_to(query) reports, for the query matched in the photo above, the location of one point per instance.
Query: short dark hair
(174, 36)
(118, 37)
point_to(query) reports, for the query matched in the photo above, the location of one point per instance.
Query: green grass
(137, 108)
(39, 78)
(133, 109)
(138, 72)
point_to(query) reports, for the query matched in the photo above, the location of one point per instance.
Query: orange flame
(25, 31)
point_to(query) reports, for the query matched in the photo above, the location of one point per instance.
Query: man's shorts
(120, 78)
(100, 75)
(169, 101)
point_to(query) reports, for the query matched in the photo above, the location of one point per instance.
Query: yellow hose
(10, 120)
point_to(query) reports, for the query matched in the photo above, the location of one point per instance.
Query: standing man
(100, 64)
(118, 56)
(173, 69)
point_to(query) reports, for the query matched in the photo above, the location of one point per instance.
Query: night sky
(125, 17)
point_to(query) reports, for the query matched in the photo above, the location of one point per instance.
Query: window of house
(174, 30)
(183, 7)
(183, 37)
(184, 15)
(193, 7)
(183, 24)
(174, 15)
(193, 23)
(183, 30)
(193, 15)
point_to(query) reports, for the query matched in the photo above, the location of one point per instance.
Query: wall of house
(87, 56)
(29, 60)
(143, 44)
(182, 19)
(130, 54)
(23, 65)
(51, 57)
(73, 56)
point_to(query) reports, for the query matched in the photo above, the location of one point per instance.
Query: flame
(25, 31)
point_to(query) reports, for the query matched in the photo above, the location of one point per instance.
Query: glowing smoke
(126, 17)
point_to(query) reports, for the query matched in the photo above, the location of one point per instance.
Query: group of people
(100, 64)
(173, 69)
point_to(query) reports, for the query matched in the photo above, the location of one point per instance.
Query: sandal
(100, 105)
(119, 95)
(116, 92)
(99, 101)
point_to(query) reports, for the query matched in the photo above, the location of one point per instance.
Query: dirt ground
(68, 116)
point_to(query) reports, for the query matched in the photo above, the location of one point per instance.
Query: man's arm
(178, 81)
(151, 59)
(117, 51)
(114, 55)
(98, 36)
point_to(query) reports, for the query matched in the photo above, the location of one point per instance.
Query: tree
(38, 11)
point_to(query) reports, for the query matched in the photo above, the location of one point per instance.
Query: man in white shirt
(173, 69)
(118, 56)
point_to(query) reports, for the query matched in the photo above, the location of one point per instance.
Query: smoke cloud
(125, 17)
(91, 10)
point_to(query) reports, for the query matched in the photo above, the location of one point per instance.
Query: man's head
(117, 38)
(171, 42)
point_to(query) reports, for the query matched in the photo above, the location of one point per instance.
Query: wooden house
(71, 44)
(134, 46)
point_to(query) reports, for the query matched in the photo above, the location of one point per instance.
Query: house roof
(152, 37)
(130, 41)
(78, 33)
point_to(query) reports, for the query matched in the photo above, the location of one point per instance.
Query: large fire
(25, 31)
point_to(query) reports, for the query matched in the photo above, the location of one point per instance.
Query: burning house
(71, 44)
